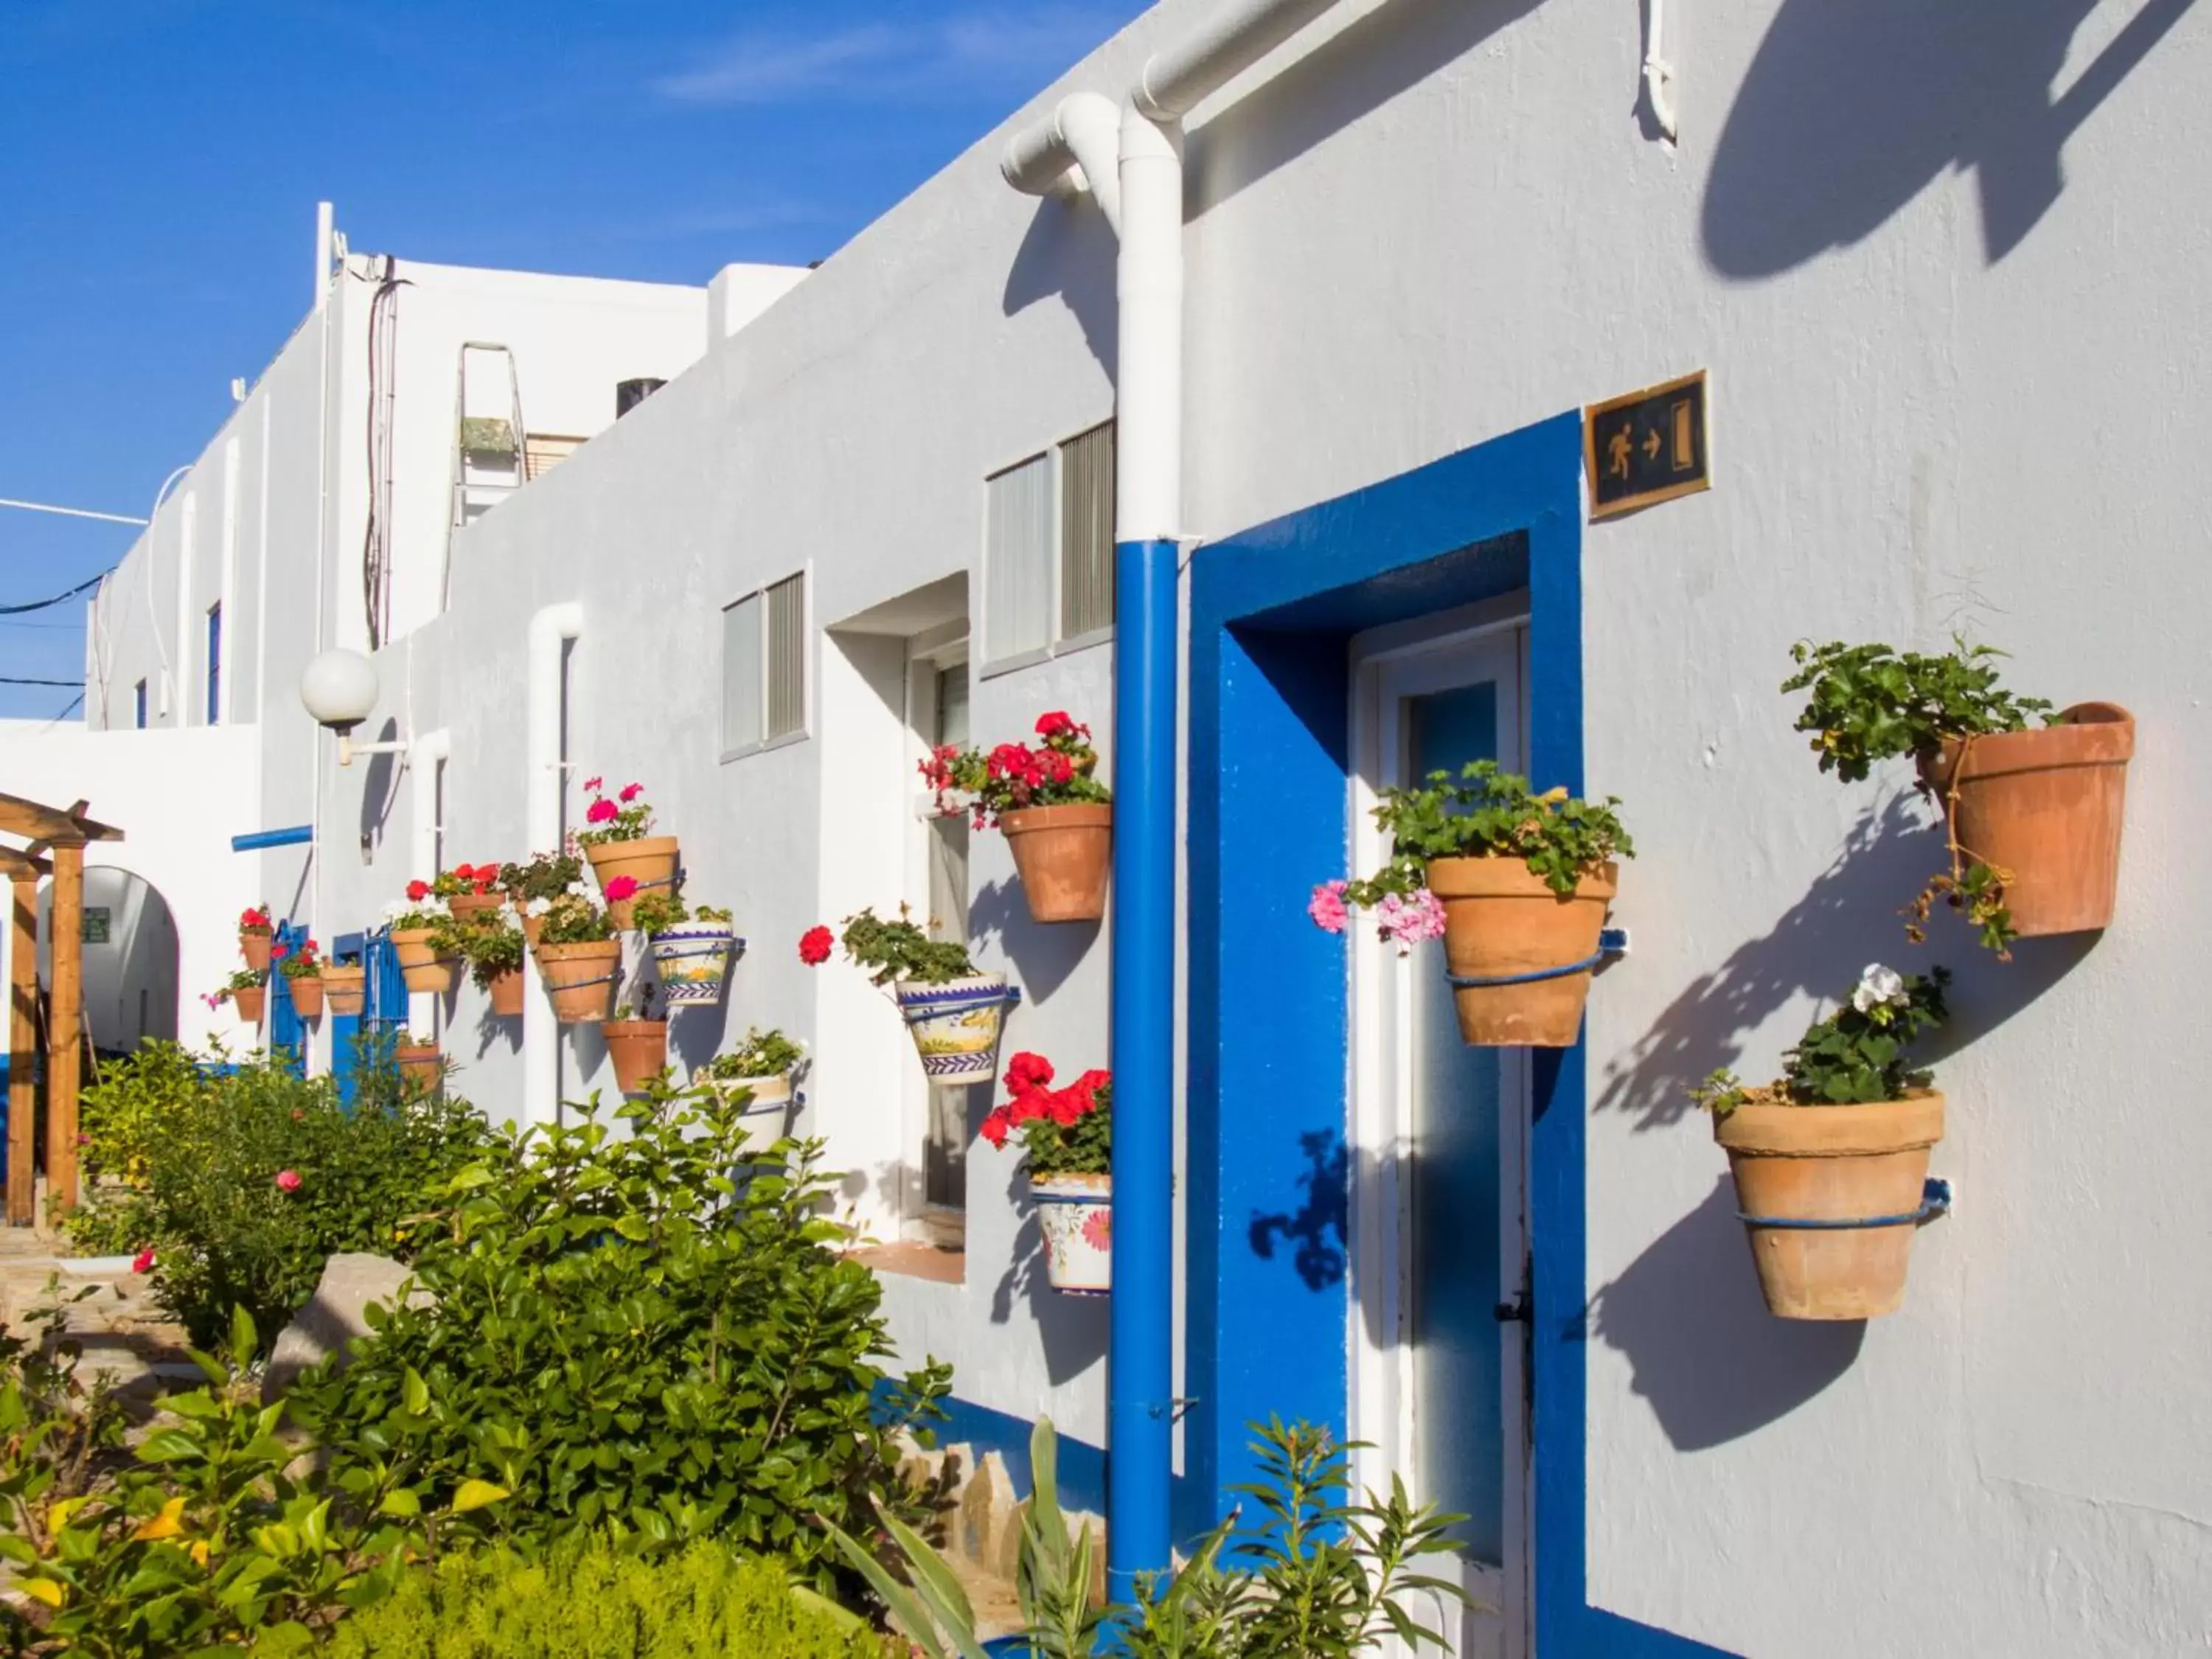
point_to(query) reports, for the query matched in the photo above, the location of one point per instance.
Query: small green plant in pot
(246, 989)
(1066, 1137)
(1515, 883)
(579, 956)
(692, 947)
(760, 1069)
(2032, 801)
(492, 944)
(954, 1013)
(1830, 1159)
(531, 887)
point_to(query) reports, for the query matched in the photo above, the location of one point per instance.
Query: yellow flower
(47, 1591)
(200, 1552)
(168, 1524)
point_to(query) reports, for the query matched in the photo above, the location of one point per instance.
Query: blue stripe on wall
(1268, 1303)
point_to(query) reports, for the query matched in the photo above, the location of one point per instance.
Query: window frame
(805, 576)
(982, 665)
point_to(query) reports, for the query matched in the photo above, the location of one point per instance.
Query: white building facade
(1942, 284)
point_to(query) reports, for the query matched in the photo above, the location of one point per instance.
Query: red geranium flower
(1066, 1105)
(278, 952)
(287, 1180)
(814, 946)
(620, 888)
(418, 890)
(602, 811)
(593, 784)
(465, 872)
(1089, 1085)
(631, 791)
(995, 1126)
(1025, 1072)
(1057, 724)
(1056, 767)
(143, 1261)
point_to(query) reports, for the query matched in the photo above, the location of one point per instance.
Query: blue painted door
(287, 1032)
(1442, 1130)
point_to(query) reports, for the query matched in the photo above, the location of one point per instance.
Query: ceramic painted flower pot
(956, 1026)
(639, 1047)
(505, 990)
(1528, 951)
(423, 969)
(650, 861)
(1062, 854)
(421, 1068)
(1075, 1214)
(693, 961)
(255, 946)
(346, 990)
(1831, 1163)
(2045, 807)
(251, 1001)
(306, 994)
(581, 978)
(766, 1110)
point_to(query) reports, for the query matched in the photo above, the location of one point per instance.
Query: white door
(1440, 1372)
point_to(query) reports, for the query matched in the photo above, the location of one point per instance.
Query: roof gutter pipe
(1146, 208)
(543, 780)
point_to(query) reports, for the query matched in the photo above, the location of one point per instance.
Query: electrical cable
(58, 598)
(10, 679)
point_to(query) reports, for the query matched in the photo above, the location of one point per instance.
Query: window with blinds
(1048, 548)
(764, 667)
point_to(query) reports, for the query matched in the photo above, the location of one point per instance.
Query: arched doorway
(129, 959)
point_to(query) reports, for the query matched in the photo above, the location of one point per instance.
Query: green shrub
(628, 1339)
(245, 1184)
(591, 1599)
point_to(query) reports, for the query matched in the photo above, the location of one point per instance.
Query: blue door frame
(287, 1032)
(384, 1005)
(1272, 610)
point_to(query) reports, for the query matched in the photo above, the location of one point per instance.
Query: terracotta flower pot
(582, 978)
(346, 988)
(649, 861)
(1831, 1164)
(506, 993)
(420, 963)
(956, 1026)
(1062, 854)
(639, 1047)
(471, 904)
(1502, 923)
(1075, 1214)
(2045, 806)
(255, 946)
(531, 927)
(693, 961)
(420, 1068)
(250, 1002)
(307, 990)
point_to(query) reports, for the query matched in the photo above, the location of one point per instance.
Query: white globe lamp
(339, 688)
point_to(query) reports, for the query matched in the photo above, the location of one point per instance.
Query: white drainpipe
(543, 780)
(426, 755)
(1144, 207)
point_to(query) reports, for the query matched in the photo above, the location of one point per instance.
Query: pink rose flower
(287, 1180)
(1327, 907)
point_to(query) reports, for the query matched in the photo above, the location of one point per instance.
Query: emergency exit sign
(1648, 446)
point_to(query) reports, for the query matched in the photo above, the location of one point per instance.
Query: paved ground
(120, 1329)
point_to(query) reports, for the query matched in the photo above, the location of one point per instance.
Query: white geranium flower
(1878, 988)
(577, 890)
(538, 907)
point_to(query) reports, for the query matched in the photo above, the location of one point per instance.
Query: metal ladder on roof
(490, 445)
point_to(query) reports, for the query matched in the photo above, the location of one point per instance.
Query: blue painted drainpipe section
(298, 836)
(1140, 1379)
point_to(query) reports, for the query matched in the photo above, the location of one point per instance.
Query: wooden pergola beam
(24, 873)
(35, 821)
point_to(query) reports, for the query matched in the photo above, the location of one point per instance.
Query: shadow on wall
(1714, 1364)
(1849, 917)
(1071, 1329)
(1851, 108)
(379, 788)
(1043, 953)
(1314, 1234)
(1069, 250)
(1348, 76)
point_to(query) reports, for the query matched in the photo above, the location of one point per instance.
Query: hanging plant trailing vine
(1868, 703)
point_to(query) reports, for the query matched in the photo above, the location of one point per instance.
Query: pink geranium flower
(603, 811)
(630, 791)
(287, 1180)
(143, 1261)
(1407, 920)
(1327, 907)
(620, 888)
(593, 784)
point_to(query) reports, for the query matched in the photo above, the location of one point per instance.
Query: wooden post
(65, 1058)
(22, 1056)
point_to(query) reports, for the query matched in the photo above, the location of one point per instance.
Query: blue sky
(161, 161)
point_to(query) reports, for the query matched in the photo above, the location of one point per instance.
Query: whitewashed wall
(1960, 368)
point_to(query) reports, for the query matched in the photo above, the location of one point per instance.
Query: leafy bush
(201, 1545)
(627, 1338)
(1319, 1577)
(893, 952)
(245, 1183)
(589, 1599)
